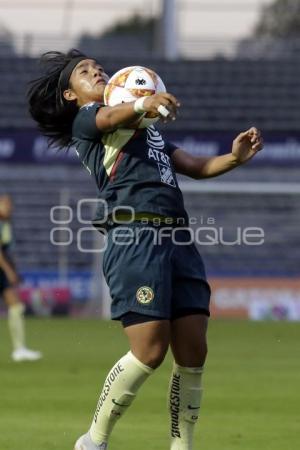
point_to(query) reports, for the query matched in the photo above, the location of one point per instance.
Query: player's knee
(192, 356)
(154, 356)
(11, 298)
(201, 354)
(154, 360)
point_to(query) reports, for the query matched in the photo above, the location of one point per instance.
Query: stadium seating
(277, 215)
(32, 211)
(216, 95)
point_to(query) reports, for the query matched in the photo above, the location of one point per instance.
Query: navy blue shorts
(4, 283)
(154, 274)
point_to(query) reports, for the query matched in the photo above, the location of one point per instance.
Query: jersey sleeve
(84, 125)
(170, 147)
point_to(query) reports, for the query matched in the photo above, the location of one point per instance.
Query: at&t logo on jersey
(156, 153)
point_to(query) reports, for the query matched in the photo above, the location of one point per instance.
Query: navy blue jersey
(132, 168)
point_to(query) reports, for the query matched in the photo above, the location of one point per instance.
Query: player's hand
(153, 103)
(246, 145)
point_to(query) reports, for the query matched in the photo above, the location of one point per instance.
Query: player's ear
(69, 95)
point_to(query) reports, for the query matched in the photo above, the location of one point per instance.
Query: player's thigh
(149, 341)
(10, 296)
(188, 340)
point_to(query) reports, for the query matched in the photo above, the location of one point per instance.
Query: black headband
(67, 72)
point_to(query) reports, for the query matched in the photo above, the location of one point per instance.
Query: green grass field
(251, 399)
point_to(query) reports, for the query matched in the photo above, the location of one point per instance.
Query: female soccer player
(9, 279)
(158, 286)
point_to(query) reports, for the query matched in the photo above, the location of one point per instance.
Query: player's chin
(99, 89)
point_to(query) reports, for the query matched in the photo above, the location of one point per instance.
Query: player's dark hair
(47, 105)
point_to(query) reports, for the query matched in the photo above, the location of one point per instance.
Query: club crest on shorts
(145, 295)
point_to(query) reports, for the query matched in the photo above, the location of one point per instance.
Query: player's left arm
(244, 147)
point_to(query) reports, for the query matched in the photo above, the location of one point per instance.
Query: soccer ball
(130, 83)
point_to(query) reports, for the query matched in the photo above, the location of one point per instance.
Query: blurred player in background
(159, 292)
(9, 280)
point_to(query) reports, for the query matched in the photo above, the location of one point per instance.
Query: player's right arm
(8, 269)
(110, 118)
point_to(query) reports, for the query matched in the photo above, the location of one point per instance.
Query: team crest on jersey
(145, 295)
